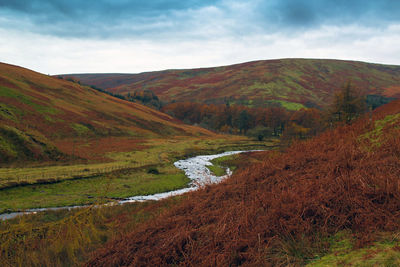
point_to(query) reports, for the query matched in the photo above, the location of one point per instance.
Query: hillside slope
(38, 111)
(284, 210)
(292, 83)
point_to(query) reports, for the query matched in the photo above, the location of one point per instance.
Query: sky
(132, 36)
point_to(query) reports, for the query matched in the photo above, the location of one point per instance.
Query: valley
(200, 133)
(64, 143)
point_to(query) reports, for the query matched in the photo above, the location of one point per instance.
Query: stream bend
(195, 169)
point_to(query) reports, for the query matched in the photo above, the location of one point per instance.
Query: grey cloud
(99, 18)
(174, 18)
(103, 7)
(295, 14)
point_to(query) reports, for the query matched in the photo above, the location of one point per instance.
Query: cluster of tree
(348, 104)
(256, 122)
(145, 97)
(305, 123)
(374, 101)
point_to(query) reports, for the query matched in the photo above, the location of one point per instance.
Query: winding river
(195, 169)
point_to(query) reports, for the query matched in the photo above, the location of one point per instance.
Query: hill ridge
(221, 66)
(308, 82)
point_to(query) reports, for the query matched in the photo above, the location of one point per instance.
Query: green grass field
(92, 190)
(126, 176)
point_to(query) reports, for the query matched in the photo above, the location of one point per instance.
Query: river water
(195, 169)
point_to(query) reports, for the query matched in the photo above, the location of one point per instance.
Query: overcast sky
(130, 36)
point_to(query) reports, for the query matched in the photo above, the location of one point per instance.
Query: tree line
(347, 105)
(256, 122)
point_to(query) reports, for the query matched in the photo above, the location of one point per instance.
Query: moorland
(324, 191)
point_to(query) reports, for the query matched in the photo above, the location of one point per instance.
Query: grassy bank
(66, 238)
(343, 251)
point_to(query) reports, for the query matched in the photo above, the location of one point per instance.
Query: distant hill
(291, 83)
(38, 112)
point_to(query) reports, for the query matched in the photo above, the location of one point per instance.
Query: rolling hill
(291, 83)
(42, 118)
(319, 202)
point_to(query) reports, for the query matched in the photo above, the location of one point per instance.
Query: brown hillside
(347, 178)
(41, 115)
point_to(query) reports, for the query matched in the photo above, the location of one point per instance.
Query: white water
(194, 168)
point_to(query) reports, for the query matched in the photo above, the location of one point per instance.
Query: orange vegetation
(339, 180)
(393, 91)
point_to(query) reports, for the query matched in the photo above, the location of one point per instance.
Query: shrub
(153, 170)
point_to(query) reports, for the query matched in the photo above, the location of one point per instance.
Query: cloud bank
(55, 36)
